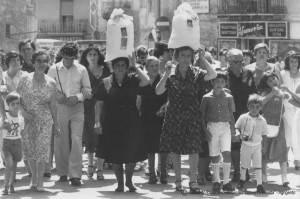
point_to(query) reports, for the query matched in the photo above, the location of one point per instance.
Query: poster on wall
(282, 47)
(228, 44)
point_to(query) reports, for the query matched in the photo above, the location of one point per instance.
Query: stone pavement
(92, 188)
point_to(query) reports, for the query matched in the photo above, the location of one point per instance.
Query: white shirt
(17, 125)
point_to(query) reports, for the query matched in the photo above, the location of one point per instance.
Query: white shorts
(249, 153)
(221, 137)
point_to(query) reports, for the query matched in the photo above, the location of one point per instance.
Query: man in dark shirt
(240, 92)
(27, 48)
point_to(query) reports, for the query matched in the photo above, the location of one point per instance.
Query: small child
(218, 123)
(12, 146)
(252, 129)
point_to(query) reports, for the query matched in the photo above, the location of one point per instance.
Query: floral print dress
(181, 132)
(35, 99)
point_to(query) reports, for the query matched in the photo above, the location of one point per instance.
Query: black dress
(89, 136)
(152, 124)
(123, 137)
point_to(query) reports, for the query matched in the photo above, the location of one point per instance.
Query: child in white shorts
(218, 122)
(252, 128)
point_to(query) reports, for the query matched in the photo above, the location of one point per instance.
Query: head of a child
(268, 81)
(220, 81)
(13, 102)
(254, 105)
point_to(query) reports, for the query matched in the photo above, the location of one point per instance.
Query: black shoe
(47, 175)
(241, 184)
(247, 175)
(236, 176)
(216, 187)
(152, 180)
(63, 178)
(12, 189)
(285, 184)
(228, 187)
(260, 189)
(163, 180)
(194, 189)
(5, 191)
(130, 186)
(75, 181)
(119, 189)
(208, 176)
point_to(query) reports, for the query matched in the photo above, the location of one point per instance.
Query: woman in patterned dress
(37, 92)
(181, 133)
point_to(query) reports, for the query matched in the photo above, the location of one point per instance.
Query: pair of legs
(37, 173)
(100, 162)
(119, 173)
(193, 162)
(283, 168)
(10, 171)
(203, 165)
(226, 167)
(68, 152)
(163, 168)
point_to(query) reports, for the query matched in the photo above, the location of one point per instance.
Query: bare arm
(211, 73)
(267, 96)
(98, 111)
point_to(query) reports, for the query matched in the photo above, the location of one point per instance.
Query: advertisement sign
(228, 29)
(277, 29)
(252, 29)
(199, 6)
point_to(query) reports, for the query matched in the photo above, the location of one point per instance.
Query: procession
(175, 117)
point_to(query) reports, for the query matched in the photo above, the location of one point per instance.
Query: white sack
(120, 35)
(185, 28)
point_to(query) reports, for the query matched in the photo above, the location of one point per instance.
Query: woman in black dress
(123, 138)
(93, 60)
(152, 111)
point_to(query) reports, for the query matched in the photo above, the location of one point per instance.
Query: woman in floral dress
(37, 92)
(181, 133)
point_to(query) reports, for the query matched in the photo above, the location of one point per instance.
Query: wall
(81, 9)
(48, 9)
(22, 20)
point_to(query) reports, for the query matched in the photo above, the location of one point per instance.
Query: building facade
(18, 20)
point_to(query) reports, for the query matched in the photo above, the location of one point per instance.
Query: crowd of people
(173, 102)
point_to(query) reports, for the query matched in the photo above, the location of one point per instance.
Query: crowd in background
(166, 101)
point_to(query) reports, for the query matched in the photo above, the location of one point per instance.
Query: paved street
(105, 189)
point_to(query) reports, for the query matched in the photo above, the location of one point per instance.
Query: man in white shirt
(72, 78)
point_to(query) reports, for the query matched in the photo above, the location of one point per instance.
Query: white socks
(258, 176)
(226, 172)
(216, 170)
(243, 174)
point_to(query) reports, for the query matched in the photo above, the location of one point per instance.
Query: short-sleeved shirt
(217, 108)
(255, 128)
(17, 125)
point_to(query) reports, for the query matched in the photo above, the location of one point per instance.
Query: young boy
(252, 129)
(218, 122)
(12, 147)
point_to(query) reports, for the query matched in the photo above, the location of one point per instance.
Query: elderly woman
(253, 72)
(181, 133)
(290, 78)
(152, 112)
(93, 60)
(121, 123)
(37, 92)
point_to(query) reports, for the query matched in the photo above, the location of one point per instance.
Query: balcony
(59, 26)
(251, 7)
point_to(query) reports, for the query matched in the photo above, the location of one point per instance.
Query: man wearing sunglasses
(240, 92)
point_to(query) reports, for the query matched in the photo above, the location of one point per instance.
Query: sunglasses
(237, 62)
(40, 61)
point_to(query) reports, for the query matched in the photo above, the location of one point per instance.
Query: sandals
(100, 175)
(194, 189)
(90, 171)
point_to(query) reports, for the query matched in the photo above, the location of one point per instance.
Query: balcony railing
(59, 26)
(248, 7)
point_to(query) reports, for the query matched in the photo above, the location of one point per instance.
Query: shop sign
(228, 29)
(199, 6)
(277, 29)
(252, 29)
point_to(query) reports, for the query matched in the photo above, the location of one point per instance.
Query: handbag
(273, 130)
